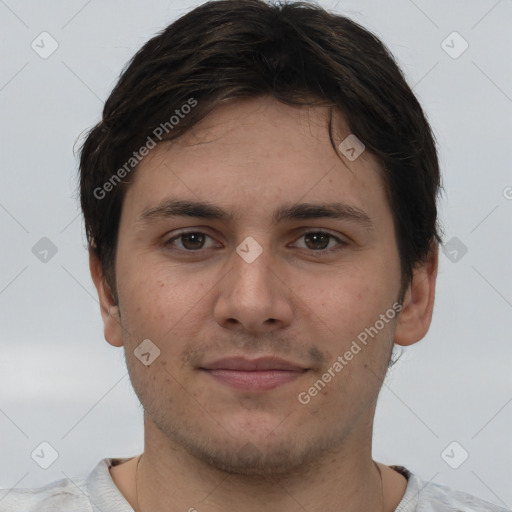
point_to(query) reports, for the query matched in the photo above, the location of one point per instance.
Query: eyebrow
(170, 208)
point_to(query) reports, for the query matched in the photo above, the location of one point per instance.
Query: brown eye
(192, 241)
(321, 242)
(317, 241)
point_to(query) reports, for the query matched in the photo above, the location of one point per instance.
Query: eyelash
(319, 252)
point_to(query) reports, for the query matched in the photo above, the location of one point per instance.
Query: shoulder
(421, 496)
(90, 493)
(62, 495)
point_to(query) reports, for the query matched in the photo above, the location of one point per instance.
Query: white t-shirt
(98, 493)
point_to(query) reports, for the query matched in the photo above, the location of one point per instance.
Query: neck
(344, 479)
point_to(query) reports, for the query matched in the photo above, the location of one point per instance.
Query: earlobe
(415, 318)
(109, 309)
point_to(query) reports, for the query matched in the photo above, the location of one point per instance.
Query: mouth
(260, 374)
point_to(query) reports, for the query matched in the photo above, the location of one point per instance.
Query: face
(261, 273)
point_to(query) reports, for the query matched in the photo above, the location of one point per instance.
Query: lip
(259, 364)
(260, 374)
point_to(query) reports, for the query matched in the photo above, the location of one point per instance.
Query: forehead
(253, 152)
(251, 124)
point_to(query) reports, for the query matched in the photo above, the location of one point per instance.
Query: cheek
(347, 308)
(348, 297)
(163, 304)
(145, 297)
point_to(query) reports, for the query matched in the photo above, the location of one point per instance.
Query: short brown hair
(295, 51)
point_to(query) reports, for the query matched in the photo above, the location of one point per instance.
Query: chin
(253, 455)
(253, 460)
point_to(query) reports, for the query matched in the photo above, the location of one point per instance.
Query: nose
(254, 296)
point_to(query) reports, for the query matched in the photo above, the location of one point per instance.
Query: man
(260, 204)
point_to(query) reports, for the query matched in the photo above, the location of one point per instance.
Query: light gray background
(60, 382)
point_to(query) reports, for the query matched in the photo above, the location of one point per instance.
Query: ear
(109, 310)
(416, 314)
